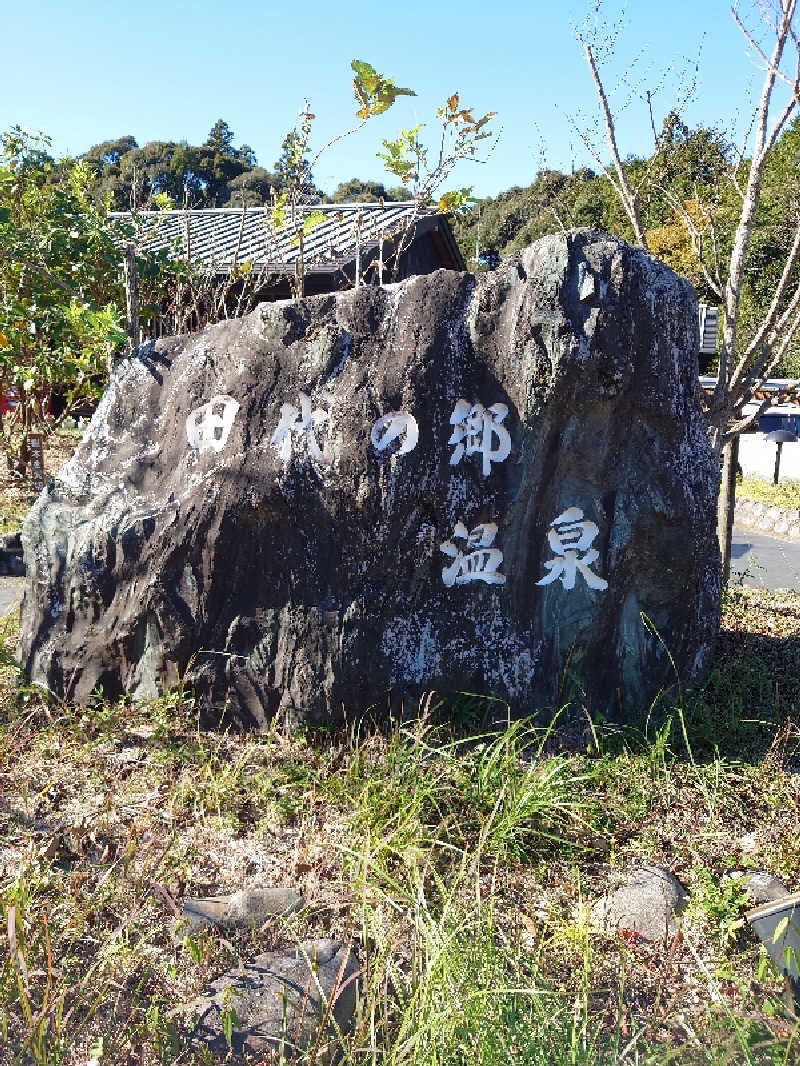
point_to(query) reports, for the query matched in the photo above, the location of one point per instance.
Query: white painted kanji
(389, 427)
(476, 559)
(476, 429)
(569, 535)
(207, 427)
(301, 421)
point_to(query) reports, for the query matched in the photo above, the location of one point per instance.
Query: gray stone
(11, 563)
(280, 999)
(242, 910)
(11, 542)
(760, 885)
(646, 904)
(304, 571)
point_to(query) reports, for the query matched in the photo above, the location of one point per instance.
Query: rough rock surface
(280, 999)
(240, 910)
(11, 562)
(646, 904)
(780, 521)
(761, 886)
(305, 558)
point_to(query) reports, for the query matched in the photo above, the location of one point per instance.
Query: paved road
(766, 562)
(10, 594)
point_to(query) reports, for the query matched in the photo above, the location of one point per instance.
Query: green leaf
(5, 215)
(312, 220)
(455, 200)
(780, 929)
(373, 92)
(365, 72)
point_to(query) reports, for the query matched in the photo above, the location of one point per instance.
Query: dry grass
(109, 817)
(460, 866)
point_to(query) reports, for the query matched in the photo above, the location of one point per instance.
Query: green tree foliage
(220, 139)
(553, 202)
(367, 192)
(62, 300)
(214, 174)
(221, 162)
(217, 173)
(59, 276)
(292, 167)
(252, 188)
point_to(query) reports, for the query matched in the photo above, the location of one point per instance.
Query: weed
(720, 903)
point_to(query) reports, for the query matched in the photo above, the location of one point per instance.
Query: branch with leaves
(406, 157)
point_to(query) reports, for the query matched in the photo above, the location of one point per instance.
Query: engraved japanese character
(569, 535)
(301, 421)
(476, 428)
(476, 559)
(208, 426)
(389, 427)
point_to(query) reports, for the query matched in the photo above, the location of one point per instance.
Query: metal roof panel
(218, 237)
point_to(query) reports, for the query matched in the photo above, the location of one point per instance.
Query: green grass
(784, 494)
(461, 865)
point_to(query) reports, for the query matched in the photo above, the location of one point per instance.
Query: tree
(59, 281)
(253, 188)
(292, 168)
(367, 192)
(553, 202)
(162, 168)
(220, 140)
(375, 94)
(357, 191)
(751, 350)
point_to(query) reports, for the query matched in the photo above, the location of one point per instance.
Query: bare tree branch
(764, 139)
(772, 314)
(627, 195)
(10, 257)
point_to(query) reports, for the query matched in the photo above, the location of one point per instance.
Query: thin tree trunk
(726, 505)
(358, 249)
(300, 268)
(132, 295)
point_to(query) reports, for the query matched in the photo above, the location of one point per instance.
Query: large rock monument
(496, 484)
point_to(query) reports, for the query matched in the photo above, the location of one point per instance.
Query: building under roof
(349, 238)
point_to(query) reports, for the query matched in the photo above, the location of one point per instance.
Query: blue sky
(88, 71)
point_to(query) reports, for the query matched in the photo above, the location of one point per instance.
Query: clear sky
(86, 71)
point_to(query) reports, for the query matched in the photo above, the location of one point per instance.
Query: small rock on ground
(646, 904)
(760, 886)
(280, 999)
(241, 910)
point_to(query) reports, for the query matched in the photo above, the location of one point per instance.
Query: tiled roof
(219, 237)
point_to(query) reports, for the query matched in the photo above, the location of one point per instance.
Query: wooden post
(132, 295)
(36, 454)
